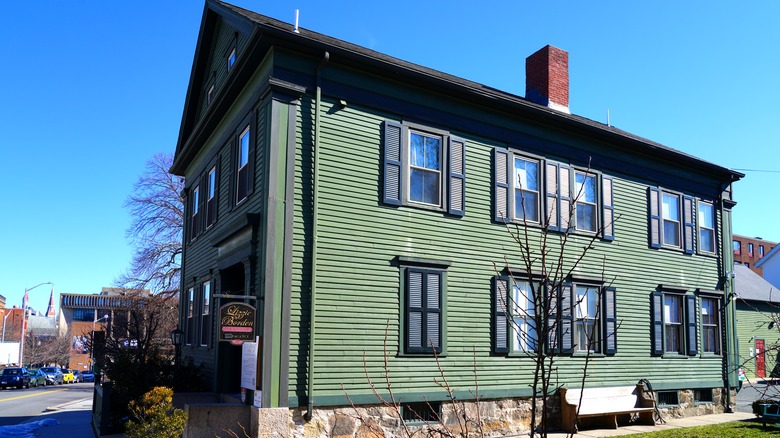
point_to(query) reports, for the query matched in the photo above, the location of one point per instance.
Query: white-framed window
(523, 312)
(710, 325)
(195, 212)
(205, 313)
(706, 222)
(671, 219)
(587, 315)
(737, 246)
(242, 164)
(750, 250)
(189, 328)
(586, 201)
(231, 59)
(673, 323)
(527, 200)
(210, 94)
(211, 196)
(760, 251)
(425, 168)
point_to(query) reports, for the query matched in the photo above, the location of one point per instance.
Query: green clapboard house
(362, 205)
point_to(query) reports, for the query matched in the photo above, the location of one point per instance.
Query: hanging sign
(237, 323)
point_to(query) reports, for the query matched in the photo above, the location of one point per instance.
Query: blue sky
(90, 90)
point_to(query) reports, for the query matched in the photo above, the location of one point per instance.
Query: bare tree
(157, 212)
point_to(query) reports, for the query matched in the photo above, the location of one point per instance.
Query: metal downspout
(315, 206)
(728, 268)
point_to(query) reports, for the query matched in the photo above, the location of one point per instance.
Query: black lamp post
(176, 339)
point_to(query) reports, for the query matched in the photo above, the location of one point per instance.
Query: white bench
(604, 402)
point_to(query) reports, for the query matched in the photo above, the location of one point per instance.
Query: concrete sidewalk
(73, 421)
(671, 423)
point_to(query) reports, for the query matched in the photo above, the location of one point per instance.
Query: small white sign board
(249, 365)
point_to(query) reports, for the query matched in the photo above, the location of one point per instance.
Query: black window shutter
(691, 338)
(552, 204)
(654, 225)
(567, 318)
(553, 328)
(610, 321)
(501, 314)
(432, 329)
(457, 182)
(501, 168)
(658, 323)
(565, 217)
(423, 310)
(607, 208)
(689, 231)
(392, 163)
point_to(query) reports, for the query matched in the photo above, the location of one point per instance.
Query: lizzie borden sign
(237, 323)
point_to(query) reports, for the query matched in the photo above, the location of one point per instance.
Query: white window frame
(671, 327)
(439, 172)
(210, 94)
(665, 219)
(211, 192)
(190, 320)
(704, 227)
(242, 162)
(194, 217)
(516, 187)
(205, 309)
(587, 312)
(525, 337)
(578, 197)
(713, 325)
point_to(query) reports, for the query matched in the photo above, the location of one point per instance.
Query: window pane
(672, 309)
(707, 240)
(212, 182)
(671, 207)
(417, 150)
(432, 148)
(585, 188)
(243, 154)
(671, 233)
(706, 216)
(586, 217)
(526, 175)
(526, 206)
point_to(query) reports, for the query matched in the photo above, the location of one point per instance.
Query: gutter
(315, 209)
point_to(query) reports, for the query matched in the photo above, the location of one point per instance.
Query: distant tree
(157, 212)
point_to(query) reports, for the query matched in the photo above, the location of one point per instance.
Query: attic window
(231, 59)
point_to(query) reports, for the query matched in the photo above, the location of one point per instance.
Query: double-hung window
(211, 196)
(423, 302)
(189, 327)
(577, 317)
(671, 220)
(706, 223)
(710, 325)
(760, 251)
(586, 319)
(750, 250)
(585, 201)
(205, 314)
(526, 188)
(737, 246)
(554, 195)
(195, 212)
(242, 165)
(424, 167)
(675, 323)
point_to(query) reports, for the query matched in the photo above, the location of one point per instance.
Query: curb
(60, 406)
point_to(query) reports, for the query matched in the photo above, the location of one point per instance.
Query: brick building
(749, 250)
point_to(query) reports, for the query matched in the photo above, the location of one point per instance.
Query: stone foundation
(499, 418)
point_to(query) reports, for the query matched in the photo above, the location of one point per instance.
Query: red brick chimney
(547, 78)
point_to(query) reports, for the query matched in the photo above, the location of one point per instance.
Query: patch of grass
(737, 429)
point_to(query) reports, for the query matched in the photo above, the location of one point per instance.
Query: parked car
(67, 376)
(53, 375)
(37, 377)
(77, 376)
(87, 376)
(14, 376)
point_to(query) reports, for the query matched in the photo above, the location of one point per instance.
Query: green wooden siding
(358, 287)
(753, 318)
